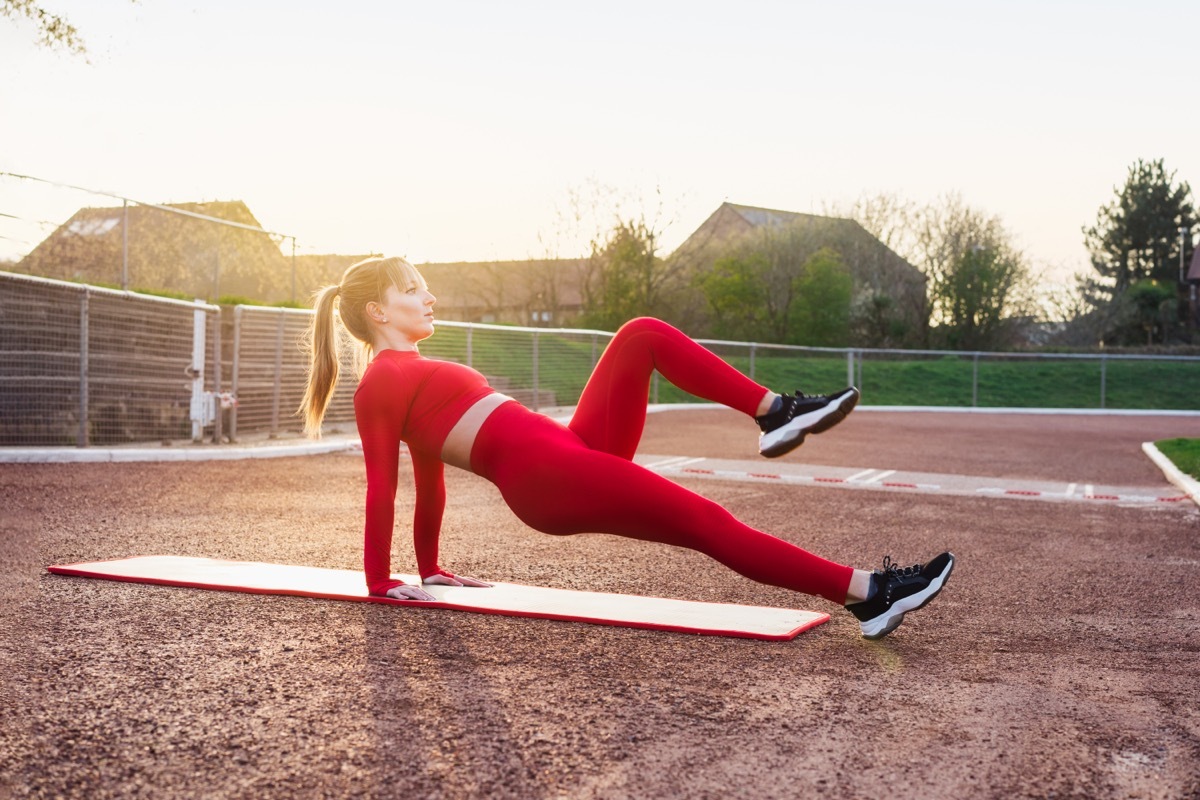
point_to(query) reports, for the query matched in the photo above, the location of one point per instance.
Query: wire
(168, 209)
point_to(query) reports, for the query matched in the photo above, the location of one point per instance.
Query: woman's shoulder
(388, 369)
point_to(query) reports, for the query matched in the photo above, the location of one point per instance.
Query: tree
(1136, 236)
(1151, 309)
(822, 309)
(1136, 239)
(735, 294)
(53, 30)
(979, 284)
(623, 276)
(780, 284)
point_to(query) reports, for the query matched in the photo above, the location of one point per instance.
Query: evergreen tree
(1136, 236)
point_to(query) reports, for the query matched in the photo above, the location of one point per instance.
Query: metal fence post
(278, 387)
(1103, 378)
(753, 351)
(81, 439)
(975, 381)
(535, 370)
(237, 353)
(470, 353)
(196, 370)
(218, 416)
(850, 368)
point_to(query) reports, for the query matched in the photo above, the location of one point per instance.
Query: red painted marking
(765, 475)
(1024, 493)
(1103, 497)
(901, 485)
(1172, 499)
(698, 471)
(830, 480)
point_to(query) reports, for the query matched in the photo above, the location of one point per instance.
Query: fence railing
(81, 365)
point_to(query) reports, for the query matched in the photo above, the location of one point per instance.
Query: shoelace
(892, 569)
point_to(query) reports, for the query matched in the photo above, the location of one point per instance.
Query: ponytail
(323, 363)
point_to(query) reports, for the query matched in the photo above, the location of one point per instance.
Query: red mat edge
(71, 570)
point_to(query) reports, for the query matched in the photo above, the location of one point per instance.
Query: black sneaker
(784, 430)
(898, 591)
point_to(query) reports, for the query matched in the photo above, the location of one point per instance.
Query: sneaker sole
(787, 438)
(884, 624)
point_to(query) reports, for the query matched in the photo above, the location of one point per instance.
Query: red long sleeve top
(405, 397)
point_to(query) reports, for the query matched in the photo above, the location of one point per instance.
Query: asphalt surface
(1061, 660)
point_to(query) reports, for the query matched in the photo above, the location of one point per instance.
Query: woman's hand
(407, 592)
(443, 579)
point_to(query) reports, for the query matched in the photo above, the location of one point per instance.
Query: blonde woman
(575, 478)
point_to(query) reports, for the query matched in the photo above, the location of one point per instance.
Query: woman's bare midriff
(456, 450)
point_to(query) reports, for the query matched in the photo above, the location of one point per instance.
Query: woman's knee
(639, 325)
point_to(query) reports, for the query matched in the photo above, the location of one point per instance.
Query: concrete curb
(304, 447)
(90, 455)
(1189, 485)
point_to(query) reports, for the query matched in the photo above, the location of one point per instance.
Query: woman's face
(409, 312)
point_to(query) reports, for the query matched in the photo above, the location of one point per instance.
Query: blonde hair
(362, 283)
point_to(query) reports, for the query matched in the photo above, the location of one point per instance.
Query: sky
(463, 131)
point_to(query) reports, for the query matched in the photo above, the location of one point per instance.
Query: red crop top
(405, 397)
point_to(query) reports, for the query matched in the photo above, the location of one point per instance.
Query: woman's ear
(375, 312)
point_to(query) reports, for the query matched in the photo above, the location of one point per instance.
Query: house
(152, 248)
(875, 268)
(536, 293)
(889, 293)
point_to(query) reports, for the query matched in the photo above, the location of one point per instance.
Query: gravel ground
(1060, 661)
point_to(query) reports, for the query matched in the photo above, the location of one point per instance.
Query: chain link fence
(81, 365)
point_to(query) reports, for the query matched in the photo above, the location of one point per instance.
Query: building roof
(164, 250)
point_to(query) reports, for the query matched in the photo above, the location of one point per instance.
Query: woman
(567, 479)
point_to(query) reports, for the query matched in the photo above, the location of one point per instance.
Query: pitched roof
(167, 251)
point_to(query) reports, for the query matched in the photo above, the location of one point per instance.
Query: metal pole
(975, 381)
(1182, 231)
(753, 349)
(199, 410)
(216, 285)
(535, 371)
(850, 368)
(470, 352)
(293, 269)
(1103, 378)
(219, 413)
(82, 437)
(237, 353)
(278, 377)
(125, 245)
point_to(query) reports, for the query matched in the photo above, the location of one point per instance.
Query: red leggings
(580, 478)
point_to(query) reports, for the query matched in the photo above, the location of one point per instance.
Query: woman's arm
(429, 477)
(381, 453)
(427, 523)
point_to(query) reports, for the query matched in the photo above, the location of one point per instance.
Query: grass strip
(1184, 453)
